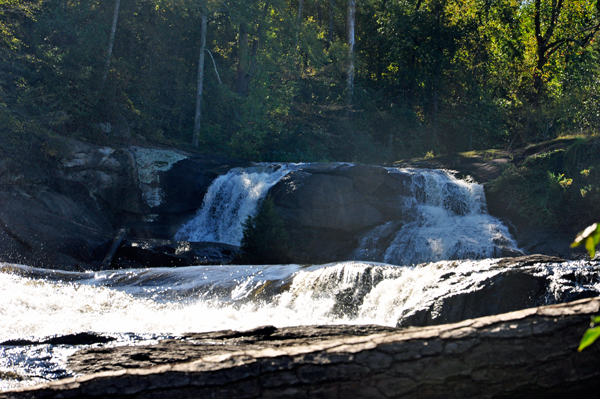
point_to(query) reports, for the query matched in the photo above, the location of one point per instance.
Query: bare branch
(215, 65)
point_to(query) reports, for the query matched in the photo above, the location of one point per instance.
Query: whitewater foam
(229, 201)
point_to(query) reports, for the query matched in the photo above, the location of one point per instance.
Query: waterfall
(140, 306)
(445, 218)
(229, 201)
(34, 302)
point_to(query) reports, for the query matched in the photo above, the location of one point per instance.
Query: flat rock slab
(530, 353)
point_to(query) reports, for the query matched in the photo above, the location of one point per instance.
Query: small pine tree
(265, 238)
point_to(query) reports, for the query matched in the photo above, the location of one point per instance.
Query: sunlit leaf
(589, 338)
(590, 246)
(591, 237)
(582, 235)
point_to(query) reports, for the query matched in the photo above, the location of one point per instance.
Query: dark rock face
(65, 216)
(527, 354)
(168, 253)
(44, 228)
(520, 284)
(326, 209)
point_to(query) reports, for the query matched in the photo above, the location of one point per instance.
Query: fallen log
(530, 353)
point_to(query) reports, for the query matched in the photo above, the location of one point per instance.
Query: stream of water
(442, 250)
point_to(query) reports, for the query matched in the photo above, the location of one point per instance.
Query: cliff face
(530, 354)
(66, 215)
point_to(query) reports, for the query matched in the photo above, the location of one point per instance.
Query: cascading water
(230, 199)
(141, 306)
(446, 218)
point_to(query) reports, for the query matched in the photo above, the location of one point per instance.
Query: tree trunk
(116, 243)
(351, 24)
(331, 20)
(198, 118)
(299, 22)
(543, 41)
(242, 69)
(247, 65)
(111, 41)
(530, 353)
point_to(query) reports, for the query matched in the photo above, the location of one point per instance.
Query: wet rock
(526, 354)
(327, 209)
(520, 283)
(66, 215)
(84, 338)
(169, 253)
(324, 201)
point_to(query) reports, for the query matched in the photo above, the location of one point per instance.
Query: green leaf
(591, 236)
(590, 246)
(595, 320)
(589, 338)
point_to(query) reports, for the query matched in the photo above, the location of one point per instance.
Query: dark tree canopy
(427, 75)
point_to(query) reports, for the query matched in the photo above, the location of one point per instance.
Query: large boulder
(325, 201)
(511, 284)
(44, 228)
(327, 208)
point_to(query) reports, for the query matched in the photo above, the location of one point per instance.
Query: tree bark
(331, 21)
(530, 353)
(200, 83)
(247, 65)
(242, 69)
(299, 22)
(351, 39)
(111, 40)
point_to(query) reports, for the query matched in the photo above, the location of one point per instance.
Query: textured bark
(200, 83)
(351, 42)
(331, 21)
(111, 40)
(530, 353)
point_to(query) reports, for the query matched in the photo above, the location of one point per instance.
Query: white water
(206, 298)
(230, 199)
(446, 219)
(141, 306)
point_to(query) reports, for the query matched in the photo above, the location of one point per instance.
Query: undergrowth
(559, 188)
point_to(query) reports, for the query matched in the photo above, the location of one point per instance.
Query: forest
(299, 80)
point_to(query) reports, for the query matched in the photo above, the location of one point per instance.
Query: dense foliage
(559, 188)
(265, 239)
(431, 75)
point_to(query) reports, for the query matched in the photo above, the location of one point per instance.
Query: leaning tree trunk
(111, 41)
(198, 118)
